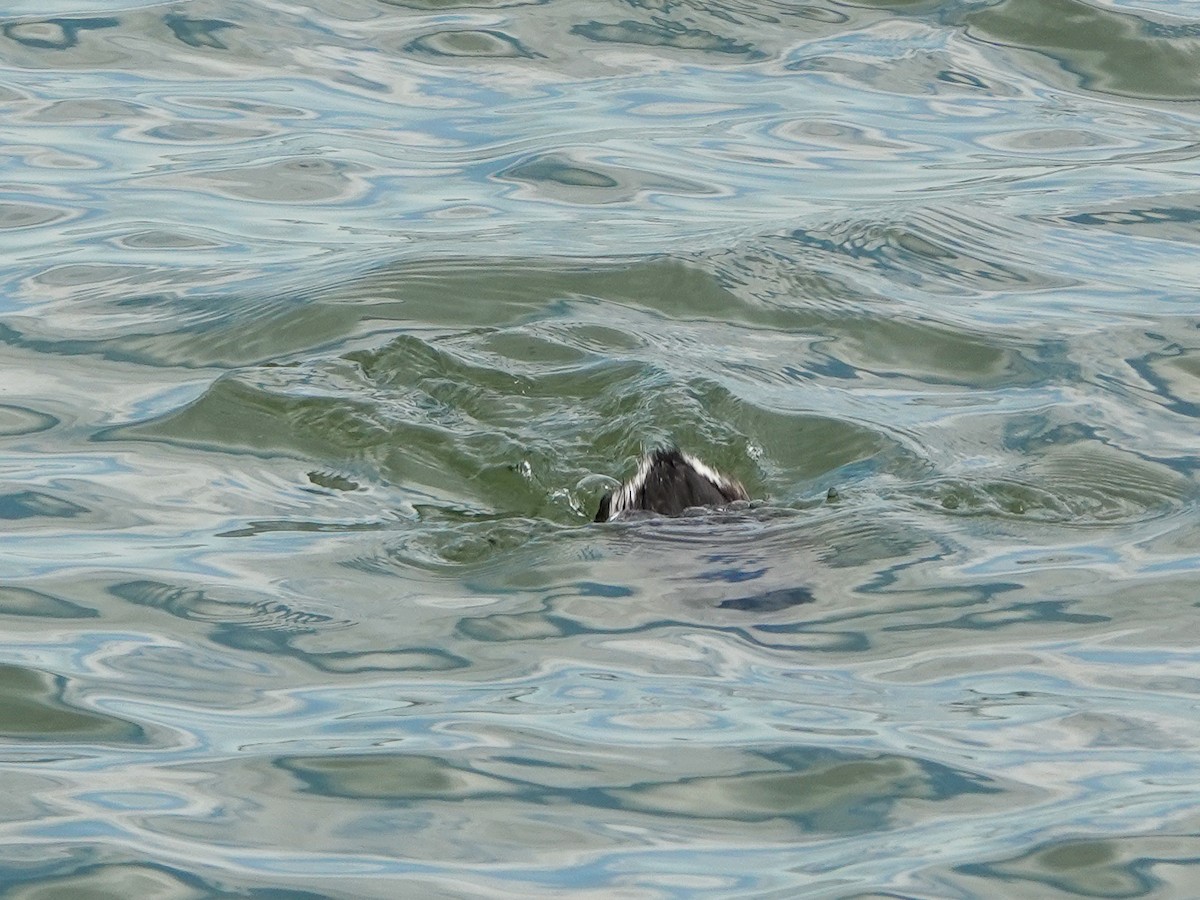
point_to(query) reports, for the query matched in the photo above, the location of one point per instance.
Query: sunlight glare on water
(325, 326)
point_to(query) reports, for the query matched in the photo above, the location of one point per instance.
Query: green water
(324, 327)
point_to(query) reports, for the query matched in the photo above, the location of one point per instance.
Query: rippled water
(324, 327)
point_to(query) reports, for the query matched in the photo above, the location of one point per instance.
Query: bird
(667, 482)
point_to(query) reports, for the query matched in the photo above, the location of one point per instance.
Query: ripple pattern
(325, 325)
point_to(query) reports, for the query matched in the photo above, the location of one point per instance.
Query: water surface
(324, 326)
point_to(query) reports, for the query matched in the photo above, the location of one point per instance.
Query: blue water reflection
(324, 328)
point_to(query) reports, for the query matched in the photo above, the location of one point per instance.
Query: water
(324, 326)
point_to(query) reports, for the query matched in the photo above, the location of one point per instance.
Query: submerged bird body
(667, 482)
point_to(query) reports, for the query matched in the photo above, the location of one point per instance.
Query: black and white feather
(667, 482)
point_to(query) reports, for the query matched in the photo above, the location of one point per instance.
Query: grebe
(667, 482)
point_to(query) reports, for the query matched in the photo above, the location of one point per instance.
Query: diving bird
(667, 482)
